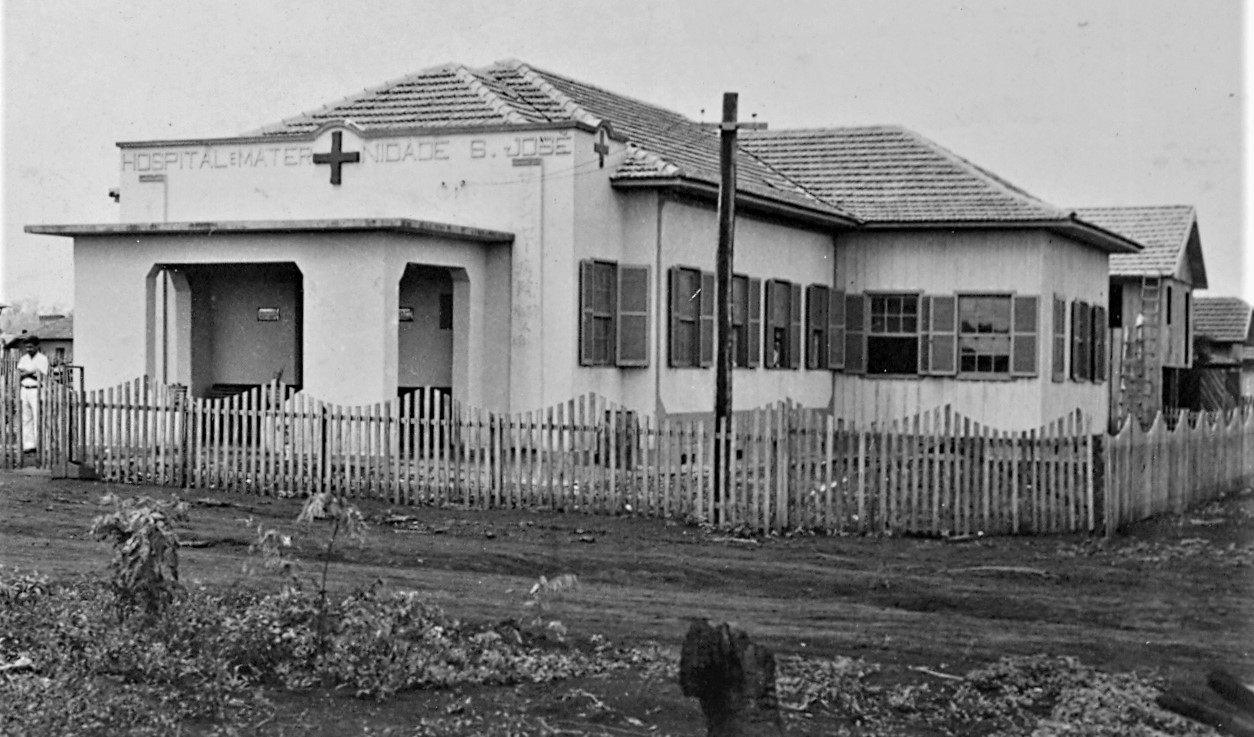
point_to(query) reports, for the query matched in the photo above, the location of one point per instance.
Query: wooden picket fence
(1177, 463)
(56, 422)
(792, 468)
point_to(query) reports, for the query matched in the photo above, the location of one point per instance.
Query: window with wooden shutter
(707, 318)
(777, 343)
(739, 320)
(836, 330)
(1077, 342)
(1058, 348)
(855, 333)
(942, 335)
(794, 326)
(816, 326)
(1023, 337)
(755, 323)
(633, 316)
(1101, 356)
(597, 298)
(685, 304)
(692, 317)
(1081, 337)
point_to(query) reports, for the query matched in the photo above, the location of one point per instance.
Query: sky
(1079, 102)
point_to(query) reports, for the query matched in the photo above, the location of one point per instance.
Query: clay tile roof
(663, 144)
(1167, 233)
(888, 174)
(1222, 319)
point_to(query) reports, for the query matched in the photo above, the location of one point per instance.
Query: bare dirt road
(1174, 595)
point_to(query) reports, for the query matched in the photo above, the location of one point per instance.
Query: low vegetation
(138, 652)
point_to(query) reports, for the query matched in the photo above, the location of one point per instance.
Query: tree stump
(733, 678)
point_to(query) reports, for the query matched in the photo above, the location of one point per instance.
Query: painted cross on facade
(601, 148)
(337, 157)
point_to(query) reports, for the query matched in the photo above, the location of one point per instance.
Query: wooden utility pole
(723, 277)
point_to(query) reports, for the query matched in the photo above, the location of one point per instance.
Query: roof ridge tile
(571, 108)
(491, 98)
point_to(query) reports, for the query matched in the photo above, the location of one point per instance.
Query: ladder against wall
(1141, 369)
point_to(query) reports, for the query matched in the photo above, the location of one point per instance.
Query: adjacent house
(1151, 304)
(56, 339)
(1224, 336)
(517, 237)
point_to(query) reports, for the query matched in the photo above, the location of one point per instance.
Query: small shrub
(145, 565)
(540, 602)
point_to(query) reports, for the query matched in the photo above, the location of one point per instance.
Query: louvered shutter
(707, 318)
(678, 301)
(836, 330)
(754, 324)
(1077, 342)
(925, 335)
(1058, 358)
(1023, 337)
(633, 316)
(855, 333)
(943, 336)
(1101, 356)
(587, 283)
(794, 326)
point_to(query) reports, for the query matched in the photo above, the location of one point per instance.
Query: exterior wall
(522, 182)
(1021, 262)
(765, 250)
(350, 283)
(236, 347)
(424, 349)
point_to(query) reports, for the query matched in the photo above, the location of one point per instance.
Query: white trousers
(30, 418)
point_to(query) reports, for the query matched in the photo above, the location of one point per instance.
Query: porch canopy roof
(396, 225)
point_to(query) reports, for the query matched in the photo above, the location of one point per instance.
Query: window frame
(977, 375)
(869, 334)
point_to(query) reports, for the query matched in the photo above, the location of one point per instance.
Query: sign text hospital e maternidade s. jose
(396, 151)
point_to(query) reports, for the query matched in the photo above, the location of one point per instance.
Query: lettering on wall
(416, 150)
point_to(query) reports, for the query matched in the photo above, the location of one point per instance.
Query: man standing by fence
(32, 369)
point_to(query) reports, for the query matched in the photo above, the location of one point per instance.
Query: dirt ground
(1176, 595)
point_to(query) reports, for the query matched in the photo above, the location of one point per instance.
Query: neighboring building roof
(1247, 354)
(888, 174)
(59, 329)
(664, 145)
(1222, 319)
(1168, 233)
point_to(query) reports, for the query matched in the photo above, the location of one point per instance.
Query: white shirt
(37, 363)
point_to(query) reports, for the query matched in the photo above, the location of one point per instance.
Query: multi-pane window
(973, 336)
(984, 335)
(614, 314)
(892, 342)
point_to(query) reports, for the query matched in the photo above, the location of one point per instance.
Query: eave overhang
(748, 201)
(369, 133)
(405, 226)
(1073, 228)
